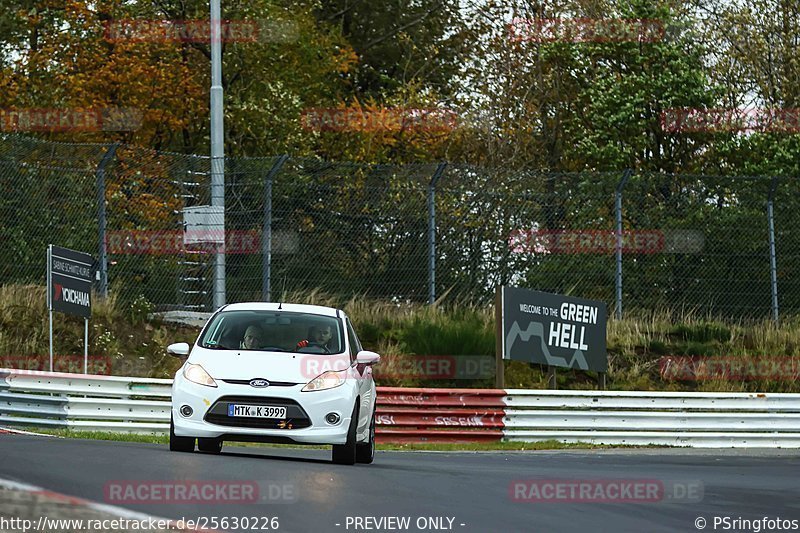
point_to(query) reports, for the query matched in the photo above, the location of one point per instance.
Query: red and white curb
(9, 431)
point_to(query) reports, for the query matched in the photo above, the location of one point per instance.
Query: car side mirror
(365, 357)
(179, 349)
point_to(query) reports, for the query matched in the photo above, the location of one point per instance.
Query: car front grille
(271, 383)
(296, 417)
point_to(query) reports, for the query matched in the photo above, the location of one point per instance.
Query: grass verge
(440, 447)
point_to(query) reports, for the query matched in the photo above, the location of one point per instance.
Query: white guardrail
(699, 419)
(84, 402)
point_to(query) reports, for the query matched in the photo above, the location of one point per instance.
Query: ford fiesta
(281, 373)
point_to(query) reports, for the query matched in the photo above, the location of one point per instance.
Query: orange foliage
(80, 68)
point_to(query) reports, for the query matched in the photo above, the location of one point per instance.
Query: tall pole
(100, 174)
(773, 266)
(85, 345)
(618, 211)
(266, 241)
(50, 299)
(432, 232)
(217, 150)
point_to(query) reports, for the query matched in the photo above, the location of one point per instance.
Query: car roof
(274, 306)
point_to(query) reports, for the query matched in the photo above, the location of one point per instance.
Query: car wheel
(179, 444)
(365, 452)
(345, 454)
(209, 445)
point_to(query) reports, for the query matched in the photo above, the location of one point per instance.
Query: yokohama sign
(69, 281)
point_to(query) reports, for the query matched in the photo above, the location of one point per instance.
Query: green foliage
(117, 344)
(694, 348)
(398, 43)
(702, 332)
(658, 347)
(519, 375)
(433, 332)
(139, 308)
(372, 334)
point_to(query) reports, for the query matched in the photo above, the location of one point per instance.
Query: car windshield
(274, 331)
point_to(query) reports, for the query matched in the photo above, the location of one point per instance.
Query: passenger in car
(317, 336)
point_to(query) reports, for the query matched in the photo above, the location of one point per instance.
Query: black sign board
(554, 330)
(69, 280)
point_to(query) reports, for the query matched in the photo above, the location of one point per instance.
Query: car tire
(345, 454)
(209, 445)
(179, 444)
(365, 452)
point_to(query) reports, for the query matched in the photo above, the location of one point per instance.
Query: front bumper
(313, 406)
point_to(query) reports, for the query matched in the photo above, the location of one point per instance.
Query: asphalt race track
(475, 490)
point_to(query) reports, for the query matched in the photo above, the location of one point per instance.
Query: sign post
(553, 330)
(69, 283)
(500, 369)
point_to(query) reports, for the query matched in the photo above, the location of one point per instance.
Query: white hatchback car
(281, 373)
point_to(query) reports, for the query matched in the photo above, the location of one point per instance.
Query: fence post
(432, 232)
(102, 260)
(618, 210)
(773, 267)
(266, 238)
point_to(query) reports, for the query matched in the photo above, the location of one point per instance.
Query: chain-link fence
(722, 246)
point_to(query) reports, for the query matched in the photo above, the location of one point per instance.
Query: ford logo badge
(259, 383)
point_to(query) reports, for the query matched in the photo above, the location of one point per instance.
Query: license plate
(256, 411)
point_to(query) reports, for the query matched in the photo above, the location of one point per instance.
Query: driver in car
(318, 336)
(252, 338)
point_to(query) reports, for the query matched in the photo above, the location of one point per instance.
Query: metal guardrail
(699, 419)
(84, 402)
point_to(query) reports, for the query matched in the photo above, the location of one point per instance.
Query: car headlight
(197, 374)
(326, 380)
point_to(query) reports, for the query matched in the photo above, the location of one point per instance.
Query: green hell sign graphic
(552, 329)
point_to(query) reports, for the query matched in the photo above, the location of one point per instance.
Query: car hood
(272, 366)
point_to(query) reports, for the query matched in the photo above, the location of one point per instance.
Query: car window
(275, 331)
